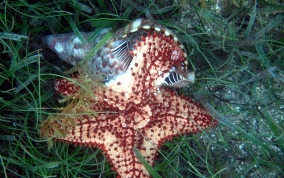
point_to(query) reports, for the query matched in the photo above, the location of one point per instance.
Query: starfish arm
(171, 117)
(114, 138)
(107, 132)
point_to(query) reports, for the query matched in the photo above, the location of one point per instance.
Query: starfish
(135, 106)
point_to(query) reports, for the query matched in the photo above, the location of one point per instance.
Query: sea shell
(115, 56)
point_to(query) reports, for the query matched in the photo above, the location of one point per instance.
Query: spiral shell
(115, 56)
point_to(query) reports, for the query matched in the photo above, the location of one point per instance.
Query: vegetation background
(236, 48)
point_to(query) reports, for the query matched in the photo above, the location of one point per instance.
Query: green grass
(232, 51)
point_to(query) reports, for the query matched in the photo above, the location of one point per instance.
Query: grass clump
(235, 47)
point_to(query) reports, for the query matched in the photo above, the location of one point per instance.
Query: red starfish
(132, 109)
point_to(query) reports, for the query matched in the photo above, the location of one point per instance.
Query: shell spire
(70, 48)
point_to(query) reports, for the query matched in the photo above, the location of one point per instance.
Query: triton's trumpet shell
(115, 57)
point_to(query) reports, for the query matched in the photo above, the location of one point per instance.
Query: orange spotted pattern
(132, 110)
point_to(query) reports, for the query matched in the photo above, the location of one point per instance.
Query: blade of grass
(98, 46)
(12, 36)
(102, 5)
(106, 23)
(76, 31)
(262, 57)
(4, 167)
(251, 21)
(149, 168)
(127, 12)
(274, 128)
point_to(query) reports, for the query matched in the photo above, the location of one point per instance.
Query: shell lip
(176, 80)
